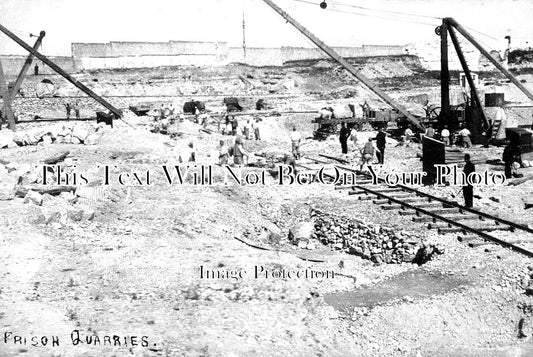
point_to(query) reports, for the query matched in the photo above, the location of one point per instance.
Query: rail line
(441, 214)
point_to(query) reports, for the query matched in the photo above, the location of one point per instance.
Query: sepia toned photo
(266, 178)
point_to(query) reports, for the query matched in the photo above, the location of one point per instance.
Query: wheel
(434, 113)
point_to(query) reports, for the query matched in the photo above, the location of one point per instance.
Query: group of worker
(73, 107)
(237, 151)
(461, 137)
(250, 129)
(369, 150)
(163, 112)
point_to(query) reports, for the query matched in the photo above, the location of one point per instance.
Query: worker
(511, 156)
(296, 138)
(366, 109)
(464, 134)
(234, 125)
(381, 141)
(257, 128)
(290, 161)
(238, 152)
(68, 107)
(228, 128)
(171, 111)
(408, 134)
(353, 137)
(468, 190)
(203, 118)
(77, 109)
(430, 132)
(367, 153)
(246, 129)
(162, 113)
(223, 153)
(445, 136)
(36, 69)
(343, 138)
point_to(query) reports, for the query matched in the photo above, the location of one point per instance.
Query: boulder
(6, 138)
(33, 197)
(80, 133)
(8, 186)
(302, 231)
(92, 139)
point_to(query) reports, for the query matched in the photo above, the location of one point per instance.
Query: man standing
(234, 125)
(246, 129)
(238, 152)
(445, 136)
(464, 134)
(343, 137)
(295, 141)
(367, 153)
(380, 143)
(257, 129)
(353, 137)
(408, 134)
(77, 109)
(68, 107)
(223, 153)
(468, 190)
(430, 132)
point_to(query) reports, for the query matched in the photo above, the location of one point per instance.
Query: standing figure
(223, 153)
(468, 190)
(234, 125)
(36, 69)
(464, 134)
(430, 132)
(408, 134)
(381, 141)
(238, 152)
(343, 138)
(68, 107)
(512, 157)
(367, 153)
(296, 138)
(257, 129)
(246, 129)
(445, 136)
(162, 112)
(77, 109)
(353, 137)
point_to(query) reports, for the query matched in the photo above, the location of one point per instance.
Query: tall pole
(497, 64)
(26, 66)
(445, 112)
(468, 74)
(61, 72)
(351, 69)
(243, 34)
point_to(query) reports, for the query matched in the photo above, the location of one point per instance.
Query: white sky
(67, 21)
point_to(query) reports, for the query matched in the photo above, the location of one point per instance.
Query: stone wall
(152, 54)
(13, 64)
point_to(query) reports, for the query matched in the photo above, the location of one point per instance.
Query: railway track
(474, 227)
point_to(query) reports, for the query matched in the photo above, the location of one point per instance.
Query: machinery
(471, 113)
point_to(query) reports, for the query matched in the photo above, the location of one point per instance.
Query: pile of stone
(63, 133)
(370, 241)
(53, 205)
